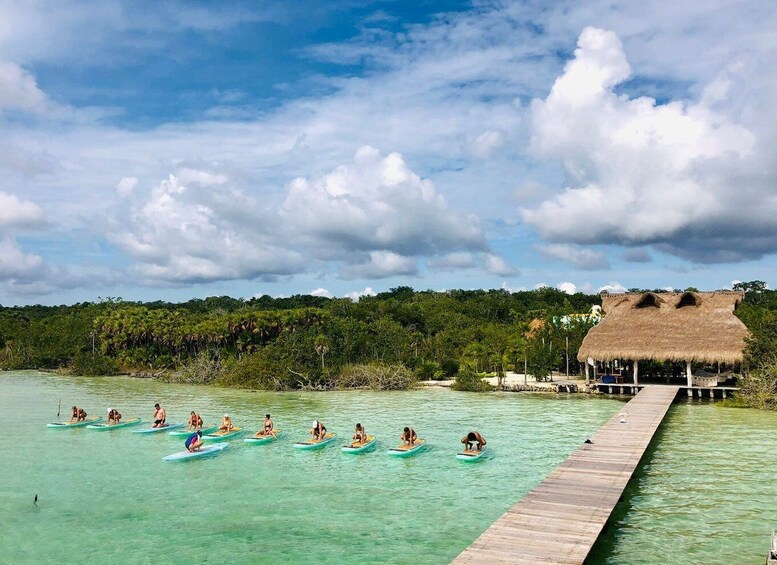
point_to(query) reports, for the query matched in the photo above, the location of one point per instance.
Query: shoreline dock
(561, 518)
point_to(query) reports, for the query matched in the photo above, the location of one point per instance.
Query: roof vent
(688, 299)
(648, 299)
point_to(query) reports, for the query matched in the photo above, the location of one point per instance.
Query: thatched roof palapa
(668, 326)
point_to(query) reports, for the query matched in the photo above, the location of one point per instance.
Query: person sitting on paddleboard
(194, 441)
(195, 421)
(159, 416)
(226, 424)
(318, 431)
(267, 429)
(472, 438)
(113, 416)
(408, 436)
(361, 435)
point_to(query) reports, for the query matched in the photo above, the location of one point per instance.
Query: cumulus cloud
(382, 264)
(125, 186)
(187, 233)
(18, 89)
(320, 292)
(689, 177)
(579, 257)
(357, 295)
(498, 266)
(452, 261)
(15, 213)
(613, 288)
(487, 143)
(567, 287)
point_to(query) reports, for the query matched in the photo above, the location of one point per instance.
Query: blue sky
(172, 150)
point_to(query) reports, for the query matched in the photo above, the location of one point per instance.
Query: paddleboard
(104, 427)
(315, 444)
(185, 433)
(157, 430)
(217, 436)
(358, 447)
(407, 450)
(471, 454)
(202, 452)
(257, 440)
(64, 425)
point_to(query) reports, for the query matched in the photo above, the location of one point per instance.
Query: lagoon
(110, 495)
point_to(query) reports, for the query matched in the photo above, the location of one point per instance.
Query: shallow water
(706, 492)
(109, 494)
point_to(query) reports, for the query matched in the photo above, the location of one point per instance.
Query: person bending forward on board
(194, 441)
(267, 427)
(160, 416)
(318, 431)
(408, 437)
(226, 424)
(79, 414)
(114, 417)
(361, 435)
(473, 438)
(195, 421)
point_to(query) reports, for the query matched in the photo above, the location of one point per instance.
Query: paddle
(59, 407)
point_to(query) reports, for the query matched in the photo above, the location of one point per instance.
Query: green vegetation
(387, 341)
(384, 342)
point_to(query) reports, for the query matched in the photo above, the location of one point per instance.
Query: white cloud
(126, 186)
(487, 143)
(18, 89)
(380, 265)
(357, 295)
(676, 175)
(453, 261)
(15, 212)
(613, 288)
(189, 233)
(498, 266)
(541, 285)
(567, 287)
(320, 292)
(579, 257)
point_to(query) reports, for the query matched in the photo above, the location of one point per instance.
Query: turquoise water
(706, 492)
(109, 495)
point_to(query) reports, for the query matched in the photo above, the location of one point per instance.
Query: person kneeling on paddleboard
(361, 435)
(226, 424)
(113, 416)
(160, 416)
(194, 441)
(195, 421)
(79, 414)
(472, 438)
(318, 431)
(408, 436)
(267, 428)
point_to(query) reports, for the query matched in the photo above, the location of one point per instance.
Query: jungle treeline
(386, 341)
(383, 341)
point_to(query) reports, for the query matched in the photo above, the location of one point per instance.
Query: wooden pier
(560, 519)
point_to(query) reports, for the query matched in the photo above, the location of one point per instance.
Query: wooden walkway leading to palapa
(560, 519)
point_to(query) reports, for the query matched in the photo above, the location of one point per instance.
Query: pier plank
(560, 519)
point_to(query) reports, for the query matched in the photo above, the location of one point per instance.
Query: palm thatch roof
(668, 326)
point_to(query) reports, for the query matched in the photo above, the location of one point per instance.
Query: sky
(172, 150)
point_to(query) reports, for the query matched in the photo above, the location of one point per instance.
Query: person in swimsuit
(79, 414)
(361, 434)
(195, 421)
(473, 438)
(267, 428)
(114, 417)
(408, 437)
(226, 424)
(318, 431)
(160, 416)
(194, 441)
